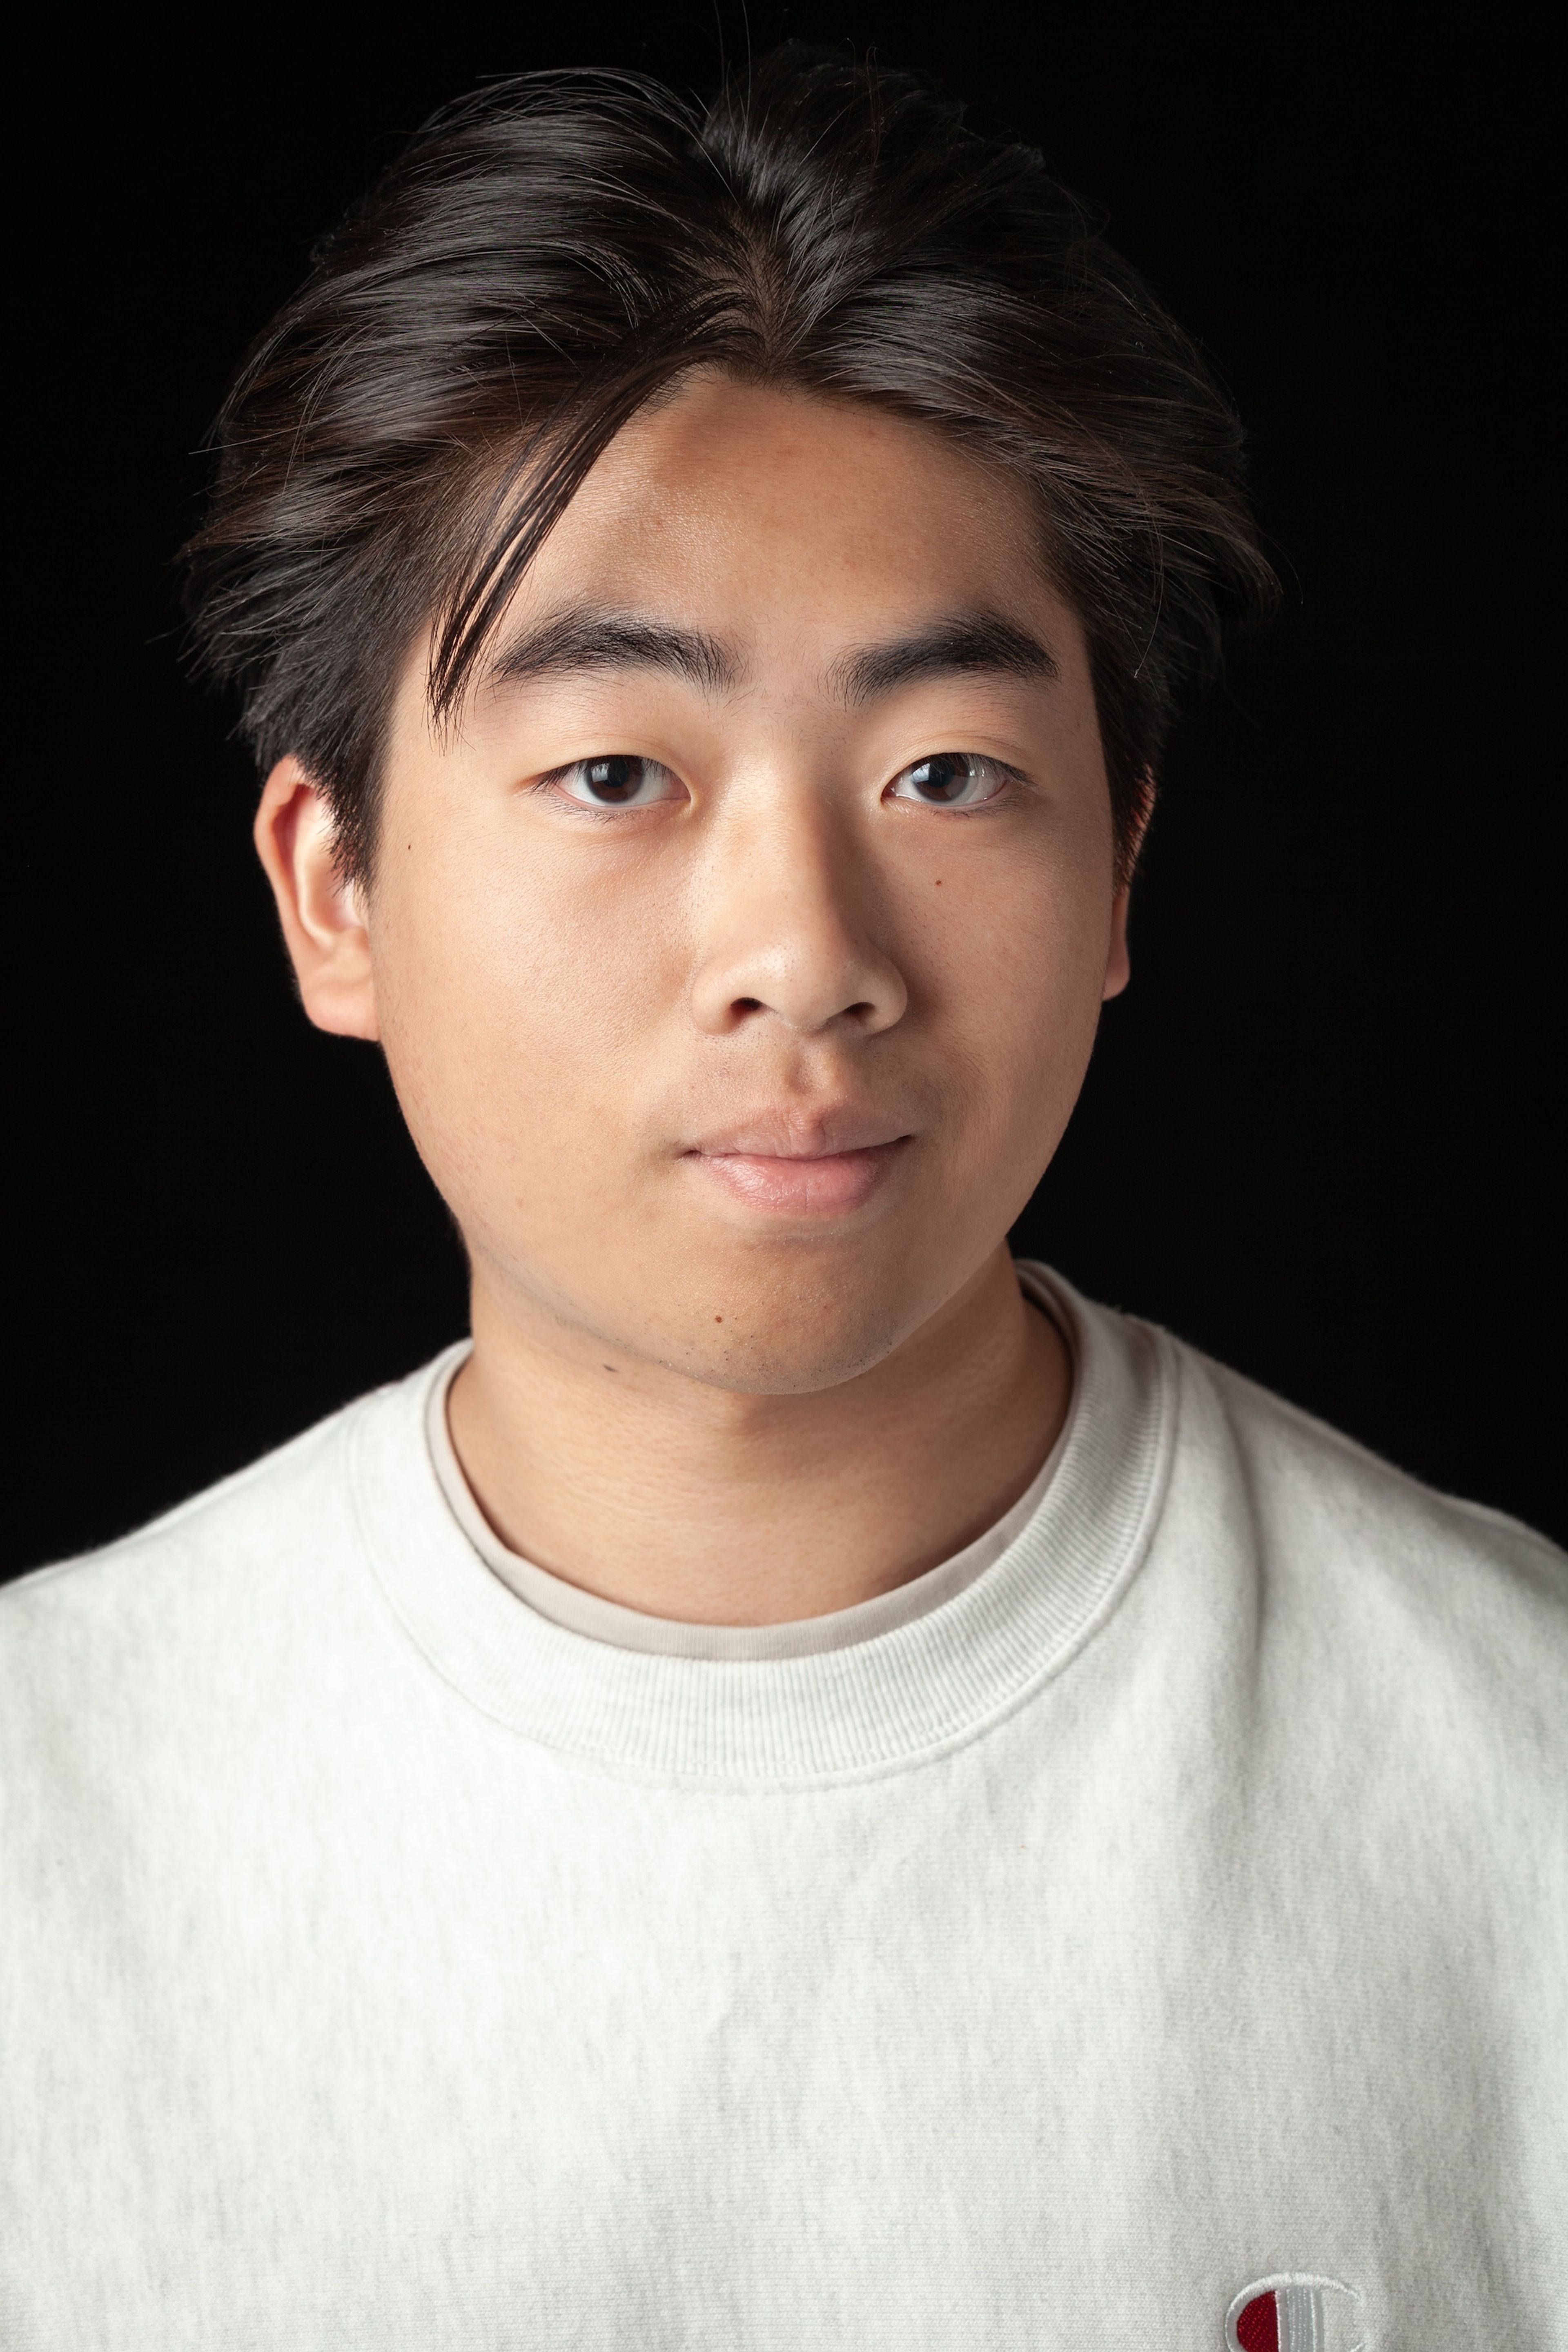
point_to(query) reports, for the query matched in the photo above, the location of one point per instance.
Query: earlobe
(321, 914)
(1117, 965)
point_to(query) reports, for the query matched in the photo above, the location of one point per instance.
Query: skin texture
(735, 1087)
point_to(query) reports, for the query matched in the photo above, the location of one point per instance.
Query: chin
(774, 1318)
(802, 1329)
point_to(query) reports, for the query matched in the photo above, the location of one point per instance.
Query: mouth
(835, 1171)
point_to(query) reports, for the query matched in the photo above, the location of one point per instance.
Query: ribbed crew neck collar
(867, 1706)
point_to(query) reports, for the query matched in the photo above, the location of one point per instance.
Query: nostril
(747, 1004)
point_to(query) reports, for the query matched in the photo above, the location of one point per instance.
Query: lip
(823, 1166)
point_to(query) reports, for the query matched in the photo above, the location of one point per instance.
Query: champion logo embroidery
(1293, 2312)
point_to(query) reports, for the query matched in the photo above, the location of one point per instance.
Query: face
(738, 957)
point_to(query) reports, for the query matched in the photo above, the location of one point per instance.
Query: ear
(1118, 963)
(321, 914)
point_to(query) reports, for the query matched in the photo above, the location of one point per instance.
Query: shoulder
(199, 1597)
(215, 1534)
(1434, 1606)
(1328, 1490)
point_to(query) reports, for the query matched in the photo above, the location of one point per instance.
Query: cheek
(512, 996)
(1017, 962)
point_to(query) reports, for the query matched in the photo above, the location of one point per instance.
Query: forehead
(759, 509)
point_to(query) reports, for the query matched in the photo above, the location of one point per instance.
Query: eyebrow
(591, 638)
(569, 643)
(963, 642)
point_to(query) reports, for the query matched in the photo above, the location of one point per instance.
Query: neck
(692, 1502)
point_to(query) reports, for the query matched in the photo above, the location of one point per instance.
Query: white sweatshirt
(1155, 1938)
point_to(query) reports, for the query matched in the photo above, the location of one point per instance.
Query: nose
(785, 931)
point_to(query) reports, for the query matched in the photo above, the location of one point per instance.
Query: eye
(952, 779)
(618, 779)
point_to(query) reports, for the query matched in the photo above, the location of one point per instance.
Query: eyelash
(972, 760)
(553, 780)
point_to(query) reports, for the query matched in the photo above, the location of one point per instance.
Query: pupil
(614, 780)
(943, 778)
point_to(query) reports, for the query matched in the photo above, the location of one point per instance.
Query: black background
(1316, 1137)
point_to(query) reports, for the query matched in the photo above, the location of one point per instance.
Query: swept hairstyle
(548, 254)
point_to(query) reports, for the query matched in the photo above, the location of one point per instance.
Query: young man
(811, 1787)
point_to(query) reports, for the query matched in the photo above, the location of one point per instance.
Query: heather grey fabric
(1175, 1904)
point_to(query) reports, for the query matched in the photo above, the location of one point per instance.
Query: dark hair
(548, 254)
